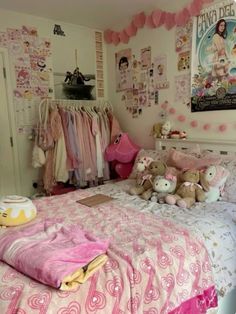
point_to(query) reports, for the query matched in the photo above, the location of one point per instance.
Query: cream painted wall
(161, 42)
(77, 37)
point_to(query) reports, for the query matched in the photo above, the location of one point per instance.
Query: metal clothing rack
(79, 104)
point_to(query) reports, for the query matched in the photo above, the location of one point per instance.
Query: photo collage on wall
(140, 79)
(213, 78)
(183, 42)
(30, 57)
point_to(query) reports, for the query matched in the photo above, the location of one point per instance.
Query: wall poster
(213, 79)
(123, 70)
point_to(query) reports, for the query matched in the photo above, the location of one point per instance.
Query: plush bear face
(143, 163)
(192, 176)
(163, 185)
(157, 168)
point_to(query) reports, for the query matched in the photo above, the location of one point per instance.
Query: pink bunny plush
(213, 181)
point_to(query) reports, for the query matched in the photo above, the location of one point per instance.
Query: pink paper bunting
(115, 38)
(131, 30)
(156, 19)
(139, 20)
(108, 36)
(149, 22)
(169, 20)
(124, 38)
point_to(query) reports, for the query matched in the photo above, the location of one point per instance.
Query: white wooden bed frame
(223, 147)
(227, 305)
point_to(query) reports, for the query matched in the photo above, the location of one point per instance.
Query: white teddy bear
(213, 181)
(165, 129)
(163, 185)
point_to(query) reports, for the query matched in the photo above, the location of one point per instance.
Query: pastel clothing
(59, 255)
(99, 153)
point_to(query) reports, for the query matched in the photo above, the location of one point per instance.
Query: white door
(7, 169)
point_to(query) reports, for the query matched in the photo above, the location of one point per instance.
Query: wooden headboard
(217, 146)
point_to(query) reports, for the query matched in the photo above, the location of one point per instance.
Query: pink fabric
(115, 129)
(90, 148)
(154, 265)
(184, 161)
(66, 135)
(122, 150)
(49, 251)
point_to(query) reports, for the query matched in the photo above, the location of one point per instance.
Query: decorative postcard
(160, 72)
(146, 58)
(213, 83)
(123, 70)
(182, 87)
(183, 35)
(23, 76)
(184, 61)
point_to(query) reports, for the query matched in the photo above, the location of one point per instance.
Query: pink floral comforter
(154, 266)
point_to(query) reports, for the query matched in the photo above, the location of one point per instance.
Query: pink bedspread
(154, 266)
(50, 251)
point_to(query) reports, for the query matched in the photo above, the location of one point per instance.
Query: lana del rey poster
(213, 75)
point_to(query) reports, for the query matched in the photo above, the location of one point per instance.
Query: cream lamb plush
(163, 185)
(213, 181)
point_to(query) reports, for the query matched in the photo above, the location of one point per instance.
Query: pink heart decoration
(139, 20)
(185, 15)
(40, 301)
(72, 308)
(115, 38)
(123, 170)
(169, 20)
(131, 30)
(124, 38)
(108, 36)
(179, 18)
(195, 8)
(149, 22)
(156, 17)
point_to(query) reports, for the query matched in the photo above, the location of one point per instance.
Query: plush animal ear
(204, 183)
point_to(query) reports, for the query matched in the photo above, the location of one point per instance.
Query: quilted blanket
(154, 265)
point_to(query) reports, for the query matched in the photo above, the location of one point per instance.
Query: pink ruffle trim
(198, 304)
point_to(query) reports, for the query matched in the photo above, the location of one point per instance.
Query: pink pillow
(185, 161)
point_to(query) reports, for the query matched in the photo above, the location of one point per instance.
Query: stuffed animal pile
(162, 184)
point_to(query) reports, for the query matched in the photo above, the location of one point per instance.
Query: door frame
(11, 116)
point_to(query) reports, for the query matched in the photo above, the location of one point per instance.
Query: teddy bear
(163, 185)
(189, 191)
(213, 180)
(144, 186)
(165, 129)
(156, 130)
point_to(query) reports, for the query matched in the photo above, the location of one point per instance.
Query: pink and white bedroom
(118, 157)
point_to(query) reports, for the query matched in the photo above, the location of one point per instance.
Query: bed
(161, 259)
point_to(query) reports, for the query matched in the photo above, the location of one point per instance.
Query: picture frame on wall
(213, 68)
